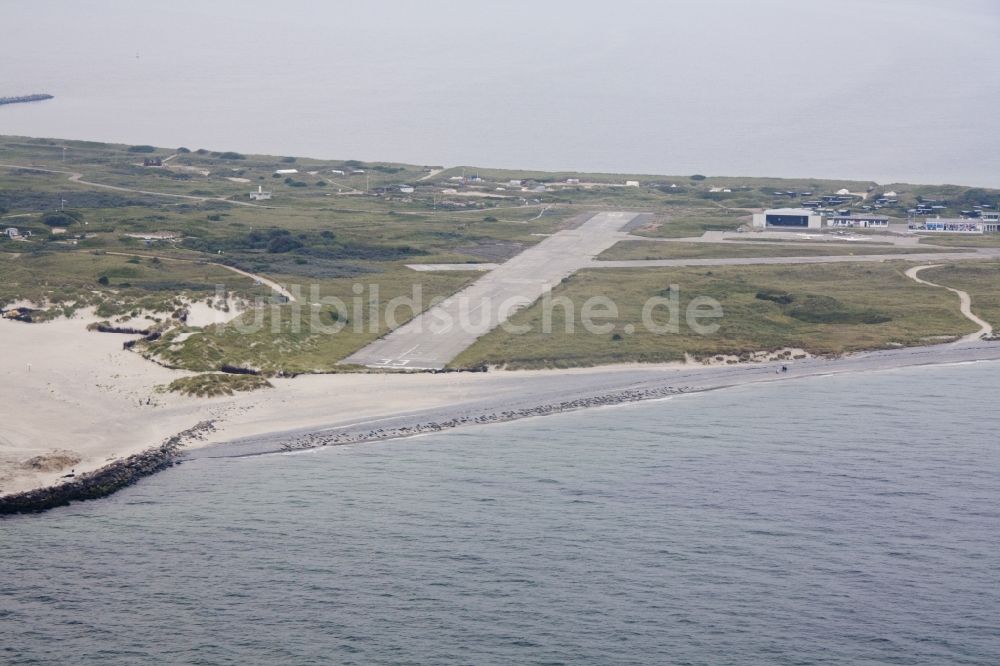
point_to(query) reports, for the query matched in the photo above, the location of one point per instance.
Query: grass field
(689, 222)
(980, 279)
(336, 230)
(114, 285)
(629, 250)
(986, 240)
(300, 338)
(824, 309)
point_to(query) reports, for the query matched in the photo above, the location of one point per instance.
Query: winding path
(274, 286)
(965, 304)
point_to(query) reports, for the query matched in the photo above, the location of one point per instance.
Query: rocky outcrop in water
(24, 98)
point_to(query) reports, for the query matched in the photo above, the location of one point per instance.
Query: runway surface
(436, 336)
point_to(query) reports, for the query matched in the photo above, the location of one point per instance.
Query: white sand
(67, 389)
(64, 389)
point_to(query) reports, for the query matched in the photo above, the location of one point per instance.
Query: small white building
(155, 236)
(406, 189)
(260, 194)
(514, 183)
(788, 218)
(858, 221)
(12, 232)
(631, 183)
(338, 172)
(572, 181)
(283, 172)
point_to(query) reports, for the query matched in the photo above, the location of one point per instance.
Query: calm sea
(891, 90)
(838, 520)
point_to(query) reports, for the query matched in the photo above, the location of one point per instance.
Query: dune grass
(213, 385)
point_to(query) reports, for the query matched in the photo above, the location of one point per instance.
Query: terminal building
(949, 225)
(858, 221)
(788, 218)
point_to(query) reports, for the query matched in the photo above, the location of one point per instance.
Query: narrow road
(965, 305)
(274, 286)
(432, 173)
(77, 177)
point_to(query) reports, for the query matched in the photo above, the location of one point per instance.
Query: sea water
(830, 520)
(890, 90)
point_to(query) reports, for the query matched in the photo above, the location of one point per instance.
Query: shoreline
(711, 378)
(76, 398)
(622, 386)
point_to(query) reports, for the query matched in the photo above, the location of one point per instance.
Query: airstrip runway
(435, 337)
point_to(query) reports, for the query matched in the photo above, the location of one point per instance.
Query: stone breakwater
(106, 480)
(315, 440)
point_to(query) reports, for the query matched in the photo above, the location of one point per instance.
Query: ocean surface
(890, 90)
(832, 520)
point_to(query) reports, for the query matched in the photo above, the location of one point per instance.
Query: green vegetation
(216, 384)
(58, 218)
(301, 338)
(980, 279)
(628, 250)
(693, 222)
(342, 222)
(822, 308)
(65, 282)
(973, 241)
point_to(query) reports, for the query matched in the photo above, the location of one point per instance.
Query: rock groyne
(104, 481)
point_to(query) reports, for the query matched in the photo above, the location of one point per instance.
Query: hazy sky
(885, 89)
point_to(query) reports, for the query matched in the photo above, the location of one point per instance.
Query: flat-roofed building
(260, 195)
(858, 221)
(952, 225)
(991, 221)
(788, 218)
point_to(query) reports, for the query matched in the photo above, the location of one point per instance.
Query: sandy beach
(76, 400)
